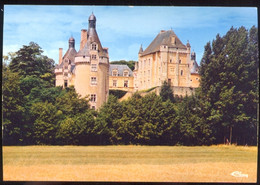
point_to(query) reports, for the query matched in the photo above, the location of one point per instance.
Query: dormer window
(114, 72)
(126, 73)
(94, 46)
(173, 40)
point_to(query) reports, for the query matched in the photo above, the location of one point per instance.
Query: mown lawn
(129, 163)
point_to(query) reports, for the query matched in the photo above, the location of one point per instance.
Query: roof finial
(141, 49)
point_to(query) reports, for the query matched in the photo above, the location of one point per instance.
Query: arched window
(181, 72)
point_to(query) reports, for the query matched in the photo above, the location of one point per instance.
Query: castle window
(181, 72)
(149, 62)
(94, 47)
(94, 80)
(126, 83)
(114, 72)
(114, 83)
(197, 79)
(93, 97)
(126, 73)
(65, 83)
(94, 57)
(179, 61)
(170, 60)
(93, 67)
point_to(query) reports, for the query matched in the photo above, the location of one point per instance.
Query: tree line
(224, 107)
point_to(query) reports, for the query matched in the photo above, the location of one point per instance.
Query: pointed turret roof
(92, 38)
(70, 53)
(141, 49)
(164, 37)
(195, 68)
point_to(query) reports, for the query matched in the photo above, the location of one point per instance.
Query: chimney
(84, 36)
(60, 55)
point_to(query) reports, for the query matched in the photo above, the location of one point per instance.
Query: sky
(120, 28)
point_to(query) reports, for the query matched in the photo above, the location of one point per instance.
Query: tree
(167, 92)
(13, 110)
(29, 61)
(130, 64)
(77, 130)
(108, 128)
(228, 83)
(193, 129)
(45, 124)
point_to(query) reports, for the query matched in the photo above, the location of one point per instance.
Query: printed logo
(239, 174)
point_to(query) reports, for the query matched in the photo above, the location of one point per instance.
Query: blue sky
(120, 28)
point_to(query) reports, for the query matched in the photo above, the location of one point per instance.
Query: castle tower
(92, 68)
(63, 71)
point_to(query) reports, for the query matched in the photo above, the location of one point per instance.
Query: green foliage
(45, 117)
(13, 110)
(77, 130)
(193, 130)
(228, 82)
(225, 106)
(117, 93)
(130, 64)
(147, 90)
(166, 92)
(29, 61)
(107, 121)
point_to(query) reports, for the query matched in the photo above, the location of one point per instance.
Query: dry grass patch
(129, 163)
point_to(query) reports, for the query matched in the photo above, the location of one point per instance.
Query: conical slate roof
(70, 54)
(92, 38)
(195, 68)
(164, 37)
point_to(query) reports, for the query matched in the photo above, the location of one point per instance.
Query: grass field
(129, 163)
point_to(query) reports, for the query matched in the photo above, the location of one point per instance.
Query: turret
(92, 21)
(193, 56)
(71, 42)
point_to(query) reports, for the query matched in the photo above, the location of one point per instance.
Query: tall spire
(92, 21)
(71, 42)
(141, 49)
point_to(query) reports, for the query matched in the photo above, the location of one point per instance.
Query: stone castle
(89, 70)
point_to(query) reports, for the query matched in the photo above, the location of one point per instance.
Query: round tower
(92, 68)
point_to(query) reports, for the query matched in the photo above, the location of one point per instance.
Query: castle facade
(89, 71)
(167, 59)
